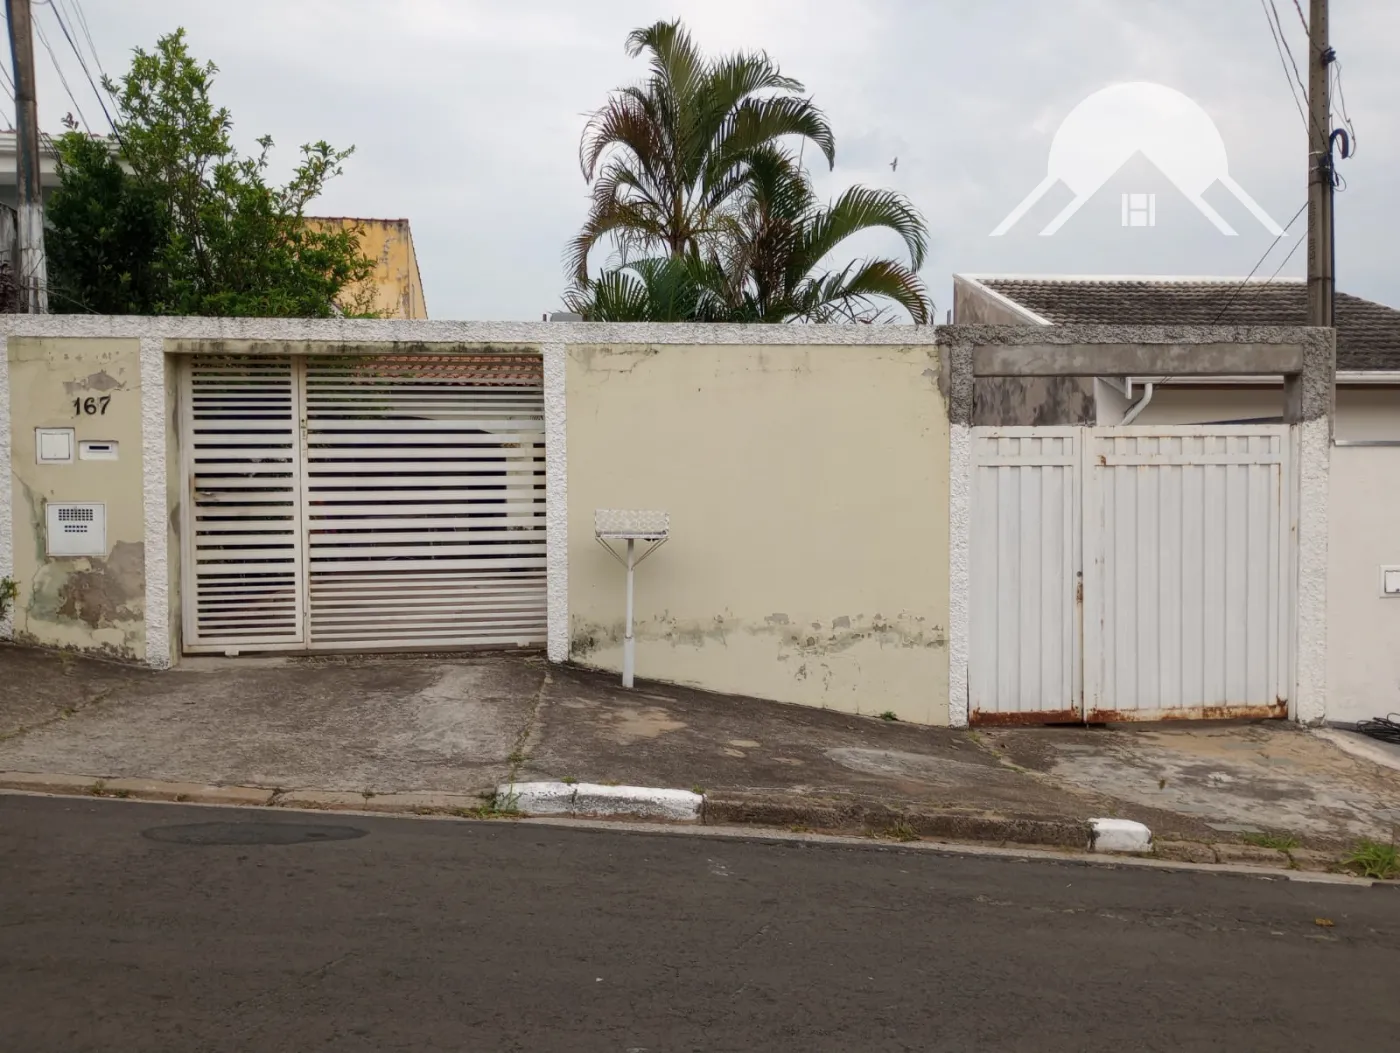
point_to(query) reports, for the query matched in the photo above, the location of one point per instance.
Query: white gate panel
(424, 501)
(1025, 550)
(1187, 583)
(242, 515)
(359, 503)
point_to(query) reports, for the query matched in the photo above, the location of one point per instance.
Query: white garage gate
(363, 503)
(1131, 573)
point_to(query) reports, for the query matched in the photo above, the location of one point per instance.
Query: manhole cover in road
(252, 833)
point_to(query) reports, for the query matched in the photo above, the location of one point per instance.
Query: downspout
(1140, 405)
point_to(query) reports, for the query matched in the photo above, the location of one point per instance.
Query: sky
(466, 116)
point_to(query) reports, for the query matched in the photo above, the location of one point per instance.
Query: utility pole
(33, 277)
(1322, 286)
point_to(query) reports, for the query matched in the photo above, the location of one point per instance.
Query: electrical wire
(1302, 17)
(44, 39)
(1386, 729)
(82, 63)
(1341, 97)
(1279, 45)
(1240, 287)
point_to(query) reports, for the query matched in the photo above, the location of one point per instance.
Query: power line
(1262, 258)
(1279, 269)
(1279, 45)
(44, 39)
(1302, 17)
(58, 15)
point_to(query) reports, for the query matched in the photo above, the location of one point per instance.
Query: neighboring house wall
(1363, 627)
(808, 494)
(1364, 411)
(94, 604)
(1007, 402)
(398, 286)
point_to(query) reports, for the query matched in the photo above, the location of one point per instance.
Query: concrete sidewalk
(348, 731)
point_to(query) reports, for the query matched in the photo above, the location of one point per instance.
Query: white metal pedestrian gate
(363, 503)
(1130, 573)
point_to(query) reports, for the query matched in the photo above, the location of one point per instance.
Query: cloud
(466, 113)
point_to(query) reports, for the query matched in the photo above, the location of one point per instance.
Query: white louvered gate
(1130, 573)
(364, 503)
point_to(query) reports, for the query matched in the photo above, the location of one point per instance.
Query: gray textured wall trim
(556, 456)
(7, 538)
(155, 503)
(1312, 394)
(402, 335)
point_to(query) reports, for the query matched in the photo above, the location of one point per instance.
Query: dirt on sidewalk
(463, 724)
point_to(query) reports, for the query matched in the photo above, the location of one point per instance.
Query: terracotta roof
(1368, 333)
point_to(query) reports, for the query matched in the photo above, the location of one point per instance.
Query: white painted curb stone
(594, 799)
(1120, 835)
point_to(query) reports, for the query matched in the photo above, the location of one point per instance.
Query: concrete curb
(595, 800)
(833, 815)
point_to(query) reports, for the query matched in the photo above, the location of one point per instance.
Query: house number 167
(90, 406)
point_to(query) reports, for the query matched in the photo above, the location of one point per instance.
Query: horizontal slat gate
(242, 537)
(357, 503)
(425, 501)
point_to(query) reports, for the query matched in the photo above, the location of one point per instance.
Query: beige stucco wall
(808, 493)
(1363, 659)
(90, 604)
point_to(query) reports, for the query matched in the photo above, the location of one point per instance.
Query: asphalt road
(122, 927)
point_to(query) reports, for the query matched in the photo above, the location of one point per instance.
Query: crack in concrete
(520, 751)
(63, 714)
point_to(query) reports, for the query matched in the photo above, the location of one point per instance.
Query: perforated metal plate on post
(625, 524)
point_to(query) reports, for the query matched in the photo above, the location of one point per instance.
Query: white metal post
(629, 643)
(630, 526)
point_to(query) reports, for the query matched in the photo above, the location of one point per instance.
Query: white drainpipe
(1140, 405)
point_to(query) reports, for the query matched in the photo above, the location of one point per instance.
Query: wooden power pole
(33, 278)
(1322, 287)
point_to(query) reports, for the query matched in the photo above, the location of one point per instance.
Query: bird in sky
(894, 165)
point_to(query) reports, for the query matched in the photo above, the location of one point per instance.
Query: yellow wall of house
(808, 494)
(92, 603)
(398, 286)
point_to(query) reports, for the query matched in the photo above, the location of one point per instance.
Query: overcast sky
(466, 114)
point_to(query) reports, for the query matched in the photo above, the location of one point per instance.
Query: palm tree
(764, 266)
(668, 157)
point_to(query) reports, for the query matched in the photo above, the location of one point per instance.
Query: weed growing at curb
(699, 791)
(493, 806)
(1374, 860)
(888, 715)
(896, 831)
(568, 780)
(1282, 842)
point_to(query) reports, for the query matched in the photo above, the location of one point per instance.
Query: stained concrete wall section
(1003, 402)
(94, 604)
(808, 494)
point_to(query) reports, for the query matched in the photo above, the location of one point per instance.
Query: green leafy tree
(768, 266)
(667, 158)
(178, 222)
(712, 216)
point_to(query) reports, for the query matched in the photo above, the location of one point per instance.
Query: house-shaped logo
(1107, 129)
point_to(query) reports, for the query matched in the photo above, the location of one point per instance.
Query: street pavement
(131, 926)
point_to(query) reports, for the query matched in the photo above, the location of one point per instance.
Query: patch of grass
(9, 591)
(898, 831)
(1283, 842)
(699, 790)
(888, 715)
(568, 780)
(516, 759)
(98, 788)
(1374, 860)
